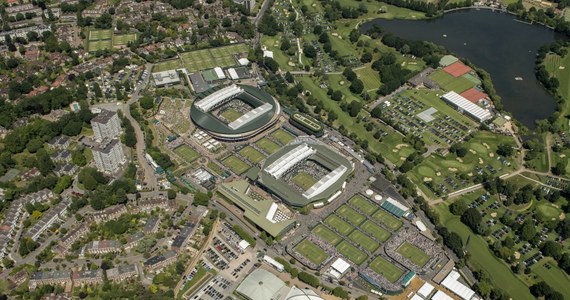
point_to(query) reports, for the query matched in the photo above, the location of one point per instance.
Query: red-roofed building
(457, 69)
(474, 95)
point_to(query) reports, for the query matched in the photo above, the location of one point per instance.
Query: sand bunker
(481, 160)
(472, 151)
(427, 179)
(486, 146)
(399, 146)
(452, 169)
(494, 214)
(438, 174)
(469, 174)
(517, 255)
(459, 159)
(491, 154)
(562, 216)
(562, 155)
(341, 82)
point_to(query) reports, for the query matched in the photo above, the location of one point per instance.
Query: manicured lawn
(364, 205)
(215, 168)
(414, 254)
(326, 234)
(235, 164)
(554, 276)
(364, 241)
(369, 77)
(376, 231)
(273, 43)
(352, 253)
(282, 136)
(352, 215)
(549, 211)
(483, 258)
(311, 251)
(304, 180)
(231, 114)
(252, 154)
(386, 269)
(559, 67)
(339, 224)
(124, 39)
(387, 219)
(167, 65)
(267, 145)
(450, 83)
(187, 153)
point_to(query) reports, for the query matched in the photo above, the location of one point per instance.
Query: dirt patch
(491, 154)
(452, 169)
(399, 146)
(427, 179)
(494, 214)
(486, 146)
(480, 161)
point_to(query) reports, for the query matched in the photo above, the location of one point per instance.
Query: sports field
(387, 219)
(413, 253)
(167, 65)
(187, 153)
(339, 224)
(282, 136)
(235, 164)
(350, 214)
(363, 240)
(363, 205)
(386, 269)
(99, 45)
(304, 180)
(267, 145)
(311, 251)
(100, 34)
(326, 234)
(231, 114)
(450, 83)
(352, 253)
(124, 39)
(252, 154)
(376, 231)
(209, 58)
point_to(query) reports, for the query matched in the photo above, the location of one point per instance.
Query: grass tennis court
(450, 83)
(167, 65)
(352, 215)
(231, 114)
(235, 164)
(304, 180)
(187, 153)
(93, 46)
(252, 154)
(209, 58)
(100, 34)
(376, 231)
(414, 254)
(340, 225)
(363, 240)
(282, 136)
(267, 145)
(387, 219)
(386, 269)
(363, 205)
(352, 253)
(311, 251)
(326, 234)
(124, 39)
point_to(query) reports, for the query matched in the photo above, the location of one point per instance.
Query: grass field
(364, 205)
(167, 65)
(352, 253)
(386, 269)
(387, 219)
(414, 254)
(99, 45)
(252, 154)
(282, 136)
(304, 180)
(376, 231)
(352, 215)
(124, 39)
(339, 224)
(209, 58)
(231, 114)
(364, 241)
(187, 153)
(100, 34)
(548, 210)
(235, 164)
(559, 67)
(267, 145)
(450, 83)
(369, 77)
(311, 251)
(326, 234)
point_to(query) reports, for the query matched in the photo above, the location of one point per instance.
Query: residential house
(49, 277)
(102, 247)
(121, 273)
(87, 277)
(158, 262)
(109, 213)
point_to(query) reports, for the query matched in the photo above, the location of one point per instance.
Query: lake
(496, 42)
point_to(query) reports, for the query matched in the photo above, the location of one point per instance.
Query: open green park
(326, 234)
(235, 164)
(282, 136)
(339, 224)
(304, 180)
(350, 214)
(351, 252)
(252, 154)
(311, 251)
(559, 67)
(386, 269)
(267, 145)
(187, 153)
(414, 254)
(387, 220)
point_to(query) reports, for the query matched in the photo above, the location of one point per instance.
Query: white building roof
(233, 74)
(441, 296)
(425, 290)
(287, 161)
(250, 116)
(397, 204)
(274, 263)
(325, 182)
(218, 97)
(166, 77)
(268, 53)
(302, 294)
(243, 61)
(421, 226)
(451, 283)
(340, 265)
(262, 285)
(469, 107)
(220, 73)
(243, 244)
(416, 297)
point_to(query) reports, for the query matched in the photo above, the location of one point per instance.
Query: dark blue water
(495, 42)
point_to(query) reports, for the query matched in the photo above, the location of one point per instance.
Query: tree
(354, 108)
(309, 51)
(146, 102)
(505, 150)
(527, 230)
(45, 164)
(349, 74)
(472, 218)
(559, 168)
(105, 21)
(336, 95)
(63, 183)
(78, 158)
(340, 292)
(458, 207)
(309, 279)
(354, 35)
(289, 77)
(171, 194)
(34, 145)
(357, 86)
(552, 249)
(285, 44)
(201, 199)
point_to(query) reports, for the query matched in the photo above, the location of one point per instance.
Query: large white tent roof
(262, 285)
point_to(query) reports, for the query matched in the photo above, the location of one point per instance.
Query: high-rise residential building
(109, 155)
(106, 125)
